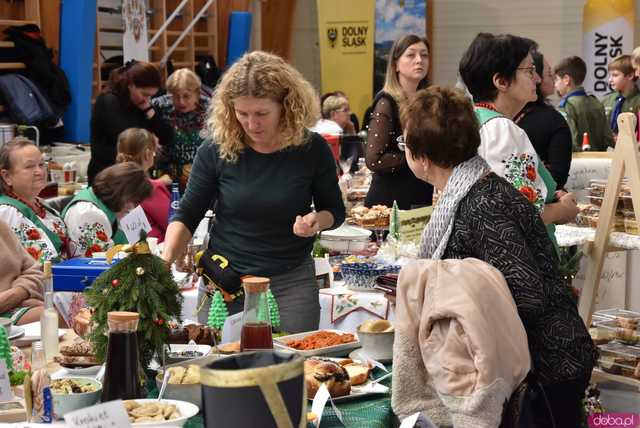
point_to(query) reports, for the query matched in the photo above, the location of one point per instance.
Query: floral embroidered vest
(87, 195)
(31, 216)
(484, 115)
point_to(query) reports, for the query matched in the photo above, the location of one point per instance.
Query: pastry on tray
(229, 348)
(627, 322)
(75, 361)
(318, 371)
(79, 348)
(201, 334)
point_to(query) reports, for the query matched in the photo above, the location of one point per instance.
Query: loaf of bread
(318, 371)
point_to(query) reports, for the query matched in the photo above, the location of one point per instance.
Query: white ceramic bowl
(191, 393)
(346, 238)
(377, 344)
(187, 410)
(64, 403)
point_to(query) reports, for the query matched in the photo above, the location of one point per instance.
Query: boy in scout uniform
(625, 96)
(584, 113)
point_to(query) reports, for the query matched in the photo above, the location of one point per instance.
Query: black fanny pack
(219, 275)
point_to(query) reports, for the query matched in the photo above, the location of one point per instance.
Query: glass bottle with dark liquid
(122, 372)
(256, 322)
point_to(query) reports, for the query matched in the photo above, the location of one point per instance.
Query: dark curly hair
(440, 125)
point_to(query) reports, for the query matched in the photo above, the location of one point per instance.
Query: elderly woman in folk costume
(23, 175)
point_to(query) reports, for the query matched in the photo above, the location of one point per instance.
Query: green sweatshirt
(257, 200)
(584, 113)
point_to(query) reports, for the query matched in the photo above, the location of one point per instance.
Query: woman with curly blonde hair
(263, 170)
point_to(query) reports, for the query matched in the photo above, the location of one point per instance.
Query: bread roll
(318, 371)
(358, 373)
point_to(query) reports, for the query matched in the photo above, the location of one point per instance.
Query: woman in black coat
(124, 104)
(546, 127)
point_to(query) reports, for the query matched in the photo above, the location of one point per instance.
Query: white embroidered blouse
(89, 229)
(32, 238)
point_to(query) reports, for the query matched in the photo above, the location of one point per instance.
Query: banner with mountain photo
(394, 19)
(346, 49)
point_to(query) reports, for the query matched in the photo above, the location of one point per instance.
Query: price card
(5, 383)
(111, 414)
(133, 223)
(410, 421)
(319, 401)
(373, 362)
(232, 328)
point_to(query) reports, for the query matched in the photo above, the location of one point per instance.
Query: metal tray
(336, 350)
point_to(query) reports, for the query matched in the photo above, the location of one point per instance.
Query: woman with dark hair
(499, 73)
(125, 104)
(546, 128)
(481, 216)
(92, 215)
(392, 179)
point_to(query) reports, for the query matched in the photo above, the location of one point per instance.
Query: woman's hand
(29, 303)
(569, 208)
(307, 226)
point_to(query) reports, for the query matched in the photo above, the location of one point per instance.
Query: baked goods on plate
(80, 353)
(346, 379)
(318, 371)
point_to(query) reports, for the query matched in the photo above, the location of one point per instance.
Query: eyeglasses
(344, 110)
(530, 71)
(402, 145)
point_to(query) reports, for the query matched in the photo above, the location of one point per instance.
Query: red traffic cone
(585, 142)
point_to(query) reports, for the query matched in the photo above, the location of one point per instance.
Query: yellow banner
(346, 49)
(607, 32)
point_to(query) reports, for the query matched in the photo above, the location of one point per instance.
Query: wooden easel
(624, 161)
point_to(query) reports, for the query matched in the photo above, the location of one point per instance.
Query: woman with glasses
(500, 74)
(481, 216)
(23, 175)
(546, 128)
(392, 179)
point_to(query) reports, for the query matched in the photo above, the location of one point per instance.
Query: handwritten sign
(582, 171)
(410, 421)
(232, 328)
(612, 290)
(133, 223)
(105, 415)
(5, 384)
